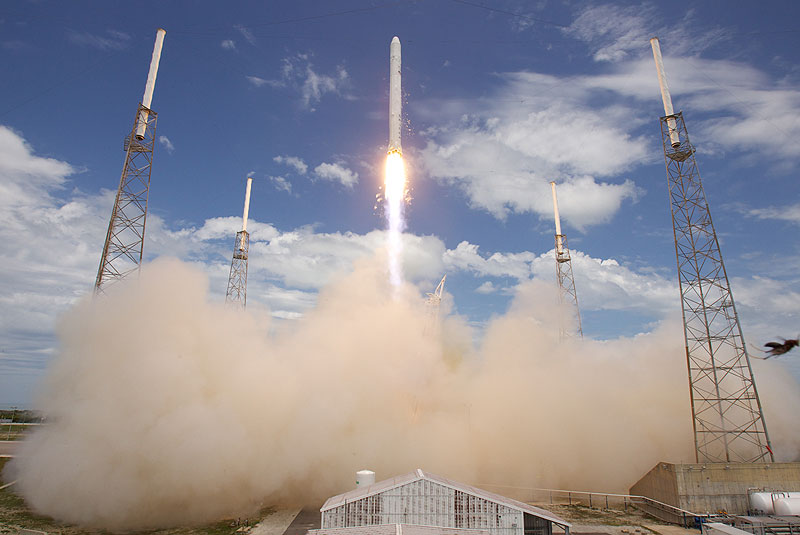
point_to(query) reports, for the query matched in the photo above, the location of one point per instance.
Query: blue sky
(499, 99)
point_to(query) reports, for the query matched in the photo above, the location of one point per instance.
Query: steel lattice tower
(567, 295)
(124, 245)
(728, 421)
(237, 279)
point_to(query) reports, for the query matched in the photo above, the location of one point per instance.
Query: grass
(582, 514)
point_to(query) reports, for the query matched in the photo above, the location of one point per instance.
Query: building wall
(396, 529)
(427, 503)
(714, 487)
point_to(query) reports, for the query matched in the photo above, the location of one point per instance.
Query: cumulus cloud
(166, 143)
(335, 172)
(292, 161)
(503, 151)
(486, 288)
(228, 44)
(110, 40)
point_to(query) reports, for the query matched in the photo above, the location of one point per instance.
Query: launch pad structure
(733, 453)
(567, 294)
(236, 293)
(124, 244)
(727, 417)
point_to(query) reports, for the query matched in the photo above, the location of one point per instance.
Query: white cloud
(504, 150)
(258, 82)
(486, 288)
(615, 33)
(281, 183)
(335, 172)
(465, 257)
(292, 161)
(228, 44)
(735, 107)
(166, 143)
(790, 213)
(299, 74)
(246, 33)
(111, 40)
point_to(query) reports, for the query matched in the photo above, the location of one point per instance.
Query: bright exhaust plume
(395, 191)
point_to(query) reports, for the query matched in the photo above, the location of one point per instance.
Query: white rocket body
(395, 97)
(246, 209)
(665, 96)
(559, 245)
(147, 99)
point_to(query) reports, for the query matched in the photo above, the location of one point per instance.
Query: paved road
(309, 518)
(7, 447)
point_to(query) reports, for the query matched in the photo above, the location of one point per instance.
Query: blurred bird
(779, 348)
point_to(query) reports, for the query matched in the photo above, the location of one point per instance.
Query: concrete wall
(714, 487)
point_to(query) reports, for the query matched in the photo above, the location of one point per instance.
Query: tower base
(715, 487)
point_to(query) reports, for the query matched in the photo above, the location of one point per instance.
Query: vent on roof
(365, 478)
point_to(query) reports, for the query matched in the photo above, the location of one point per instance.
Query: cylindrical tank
(761, 502)
(787, 506)
(365, 478)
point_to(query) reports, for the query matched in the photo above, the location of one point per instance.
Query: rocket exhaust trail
(395, 176)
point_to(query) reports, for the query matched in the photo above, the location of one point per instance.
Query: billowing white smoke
(166, 409)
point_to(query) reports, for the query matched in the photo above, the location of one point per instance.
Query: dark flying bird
(779, 348)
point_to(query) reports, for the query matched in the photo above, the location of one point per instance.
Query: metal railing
(602, 500)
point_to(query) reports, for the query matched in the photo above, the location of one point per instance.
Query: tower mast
(237, 280)
(567, 295)
(124, 245)
(727, 418)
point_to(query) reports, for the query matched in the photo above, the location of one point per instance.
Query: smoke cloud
(165, 408)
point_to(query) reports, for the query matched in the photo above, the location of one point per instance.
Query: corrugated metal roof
(416, 475)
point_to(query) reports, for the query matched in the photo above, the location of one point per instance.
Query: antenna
(567, 295)
(727, 418)
(124, 245)
(237, 279)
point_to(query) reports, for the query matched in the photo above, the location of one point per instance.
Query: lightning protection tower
(567, 295)
(124, 245)
(728, 421)
(237, 280)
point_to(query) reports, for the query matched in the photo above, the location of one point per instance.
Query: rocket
(395, 97)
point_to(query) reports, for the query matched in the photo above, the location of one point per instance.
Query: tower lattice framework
(124, 245)
(237, 280)
(567, 295)
(728, 421)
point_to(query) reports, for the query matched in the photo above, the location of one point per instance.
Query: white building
(421, 503)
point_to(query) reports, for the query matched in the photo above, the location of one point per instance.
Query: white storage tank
(764, 502)
(787, 506)
(365, 478)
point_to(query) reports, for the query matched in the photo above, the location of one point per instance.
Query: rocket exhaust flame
(395, 195)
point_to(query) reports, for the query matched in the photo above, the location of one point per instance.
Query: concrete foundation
(715, 487)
